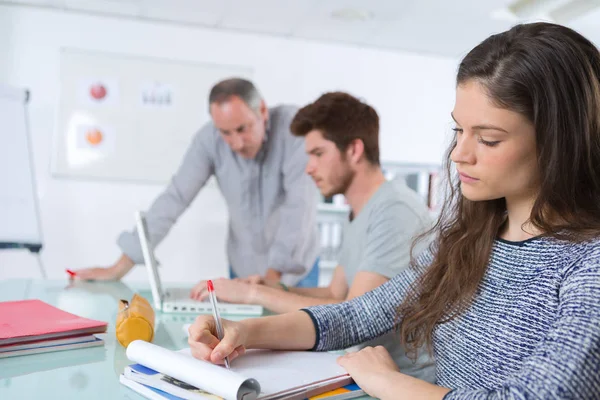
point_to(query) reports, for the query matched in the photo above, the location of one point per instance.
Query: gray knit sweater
(532, 331)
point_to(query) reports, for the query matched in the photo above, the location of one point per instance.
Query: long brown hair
(551, 75)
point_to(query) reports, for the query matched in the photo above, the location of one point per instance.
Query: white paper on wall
(98, 92)
(99, 139)
(157, 95)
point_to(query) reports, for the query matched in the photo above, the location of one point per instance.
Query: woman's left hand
(372, 368)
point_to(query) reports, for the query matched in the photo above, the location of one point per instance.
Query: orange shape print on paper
(94, 137)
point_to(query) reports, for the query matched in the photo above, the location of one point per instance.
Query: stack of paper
(32, 326)
(257, 375)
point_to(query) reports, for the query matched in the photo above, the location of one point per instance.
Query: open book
(257, 375)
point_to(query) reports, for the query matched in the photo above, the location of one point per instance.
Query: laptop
(177, 300)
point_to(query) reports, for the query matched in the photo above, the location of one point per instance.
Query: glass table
(91, 373)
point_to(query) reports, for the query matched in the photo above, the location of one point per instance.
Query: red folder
(30, 320)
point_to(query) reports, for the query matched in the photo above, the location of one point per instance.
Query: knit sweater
(532, 330)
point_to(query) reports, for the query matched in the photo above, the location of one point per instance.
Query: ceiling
(441, 27)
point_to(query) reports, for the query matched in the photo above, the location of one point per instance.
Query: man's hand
(272, 276)
(259, 280)
(252, 279)
(271, 279)
(228, 290)
(112, 273)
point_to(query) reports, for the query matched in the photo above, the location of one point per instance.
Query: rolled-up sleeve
(197, 166)
(297, 213)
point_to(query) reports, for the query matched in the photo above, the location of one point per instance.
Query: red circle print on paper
(98, 91)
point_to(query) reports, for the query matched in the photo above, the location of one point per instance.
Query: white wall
(6, 30)
(81, 219)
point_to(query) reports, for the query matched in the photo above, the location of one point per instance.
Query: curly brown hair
(341, 118)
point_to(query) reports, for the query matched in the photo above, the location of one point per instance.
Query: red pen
(71, 273)
(216, 316)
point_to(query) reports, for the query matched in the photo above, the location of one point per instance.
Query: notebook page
(279, 371)
(204, 375)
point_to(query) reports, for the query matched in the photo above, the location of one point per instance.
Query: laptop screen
(149, 260)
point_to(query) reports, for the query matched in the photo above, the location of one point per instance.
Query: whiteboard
(130, 118)
(19, 217)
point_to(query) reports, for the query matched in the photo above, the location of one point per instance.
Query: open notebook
(257, 375)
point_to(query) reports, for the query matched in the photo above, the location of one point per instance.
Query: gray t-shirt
(379, 240)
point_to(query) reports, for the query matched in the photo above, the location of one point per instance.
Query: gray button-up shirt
(272, 203)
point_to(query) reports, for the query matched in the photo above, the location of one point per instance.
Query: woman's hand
(205, 344)
(372, 368)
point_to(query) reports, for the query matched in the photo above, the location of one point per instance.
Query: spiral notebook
(257, 375)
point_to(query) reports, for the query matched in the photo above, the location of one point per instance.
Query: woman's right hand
(205, 344)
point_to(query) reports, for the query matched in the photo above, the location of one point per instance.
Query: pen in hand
(213, 301)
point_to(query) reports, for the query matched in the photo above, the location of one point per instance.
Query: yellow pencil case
(135, 320)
